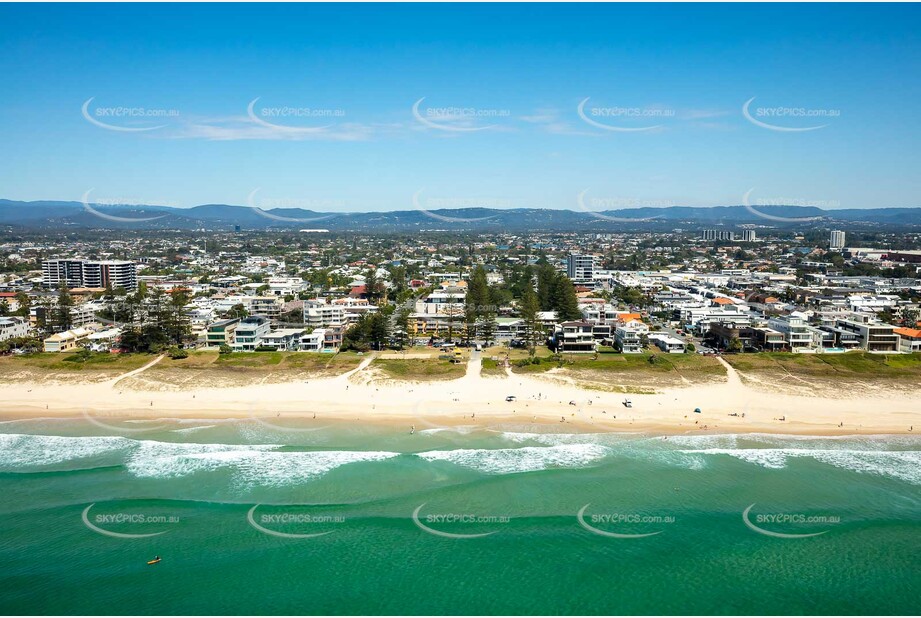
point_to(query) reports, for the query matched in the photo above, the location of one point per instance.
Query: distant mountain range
(62, 215)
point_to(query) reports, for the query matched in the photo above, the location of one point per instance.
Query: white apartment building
(449, 301)
(796, 331)
(90, 273)
(836, 240)
(575, 337)
(318, 313)
(13, 327)
(629, 337)
(580, 268)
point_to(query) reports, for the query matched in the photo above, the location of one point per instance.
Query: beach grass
(419, 370)
(849, 366)
(41, 366)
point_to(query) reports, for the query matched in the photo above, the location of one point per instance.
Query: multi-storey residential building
(318, 313)
(283, 339)
(112, 274)
(13, 327)
(221, 332)
(836, 240)
(322, 339)
(580, 268)
(62, 272)
(574, 337)
(445, 302)
(796, 331)
(628, 337)
(717, 235)
(90, 273)
(267, 306)
(874, 336)
(747, 236)
(248, 333)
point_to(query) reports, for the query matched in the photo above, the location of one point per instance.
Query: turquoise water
(512, 493)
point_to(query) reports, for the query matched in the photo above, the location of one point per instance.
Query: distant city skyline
(582, 107)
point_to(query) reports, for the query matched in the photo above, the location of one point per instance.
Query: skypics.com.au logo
(457, 119)
(784, 119)
(125, 119)
(619, 118)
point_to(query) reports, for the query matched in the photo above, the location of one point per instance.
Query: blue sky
(518, 73)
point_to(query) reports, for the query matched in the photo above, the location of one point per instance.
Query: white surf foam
(186, 430)
(23, 451)
(902, 465)
(525, 459)
(248, 465)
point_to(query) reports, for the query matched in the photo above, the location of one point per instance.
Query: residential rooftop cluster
(706, 290)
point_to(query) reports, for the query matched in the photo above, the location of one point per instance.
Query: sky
(394, 107)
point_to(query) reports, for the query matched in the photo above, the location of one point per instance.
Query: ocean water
(268, 517)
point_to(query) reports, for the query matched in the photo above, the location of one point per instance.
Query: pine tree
(566, 304)
(529, 307)
(401, 327)
(62, 319)
(546, 280)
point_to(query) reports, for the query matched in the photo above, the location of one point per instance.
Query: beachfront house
(628, 338)
(249, 332)
(221, 332)
(67, 340)
(667, 343)
(283, 339)
(874, 336)
(910, 339)
(574, 337)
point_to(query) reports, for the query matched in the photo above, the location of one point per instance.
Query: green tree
(565, 302)
(401, 328)
(529, 308)
(62, 319)
(24, 302)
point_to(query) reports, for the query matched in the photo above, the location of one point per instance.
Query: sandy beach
(360, 396)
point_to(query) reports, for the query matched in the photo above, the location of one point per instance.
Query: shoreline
(477, 401)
